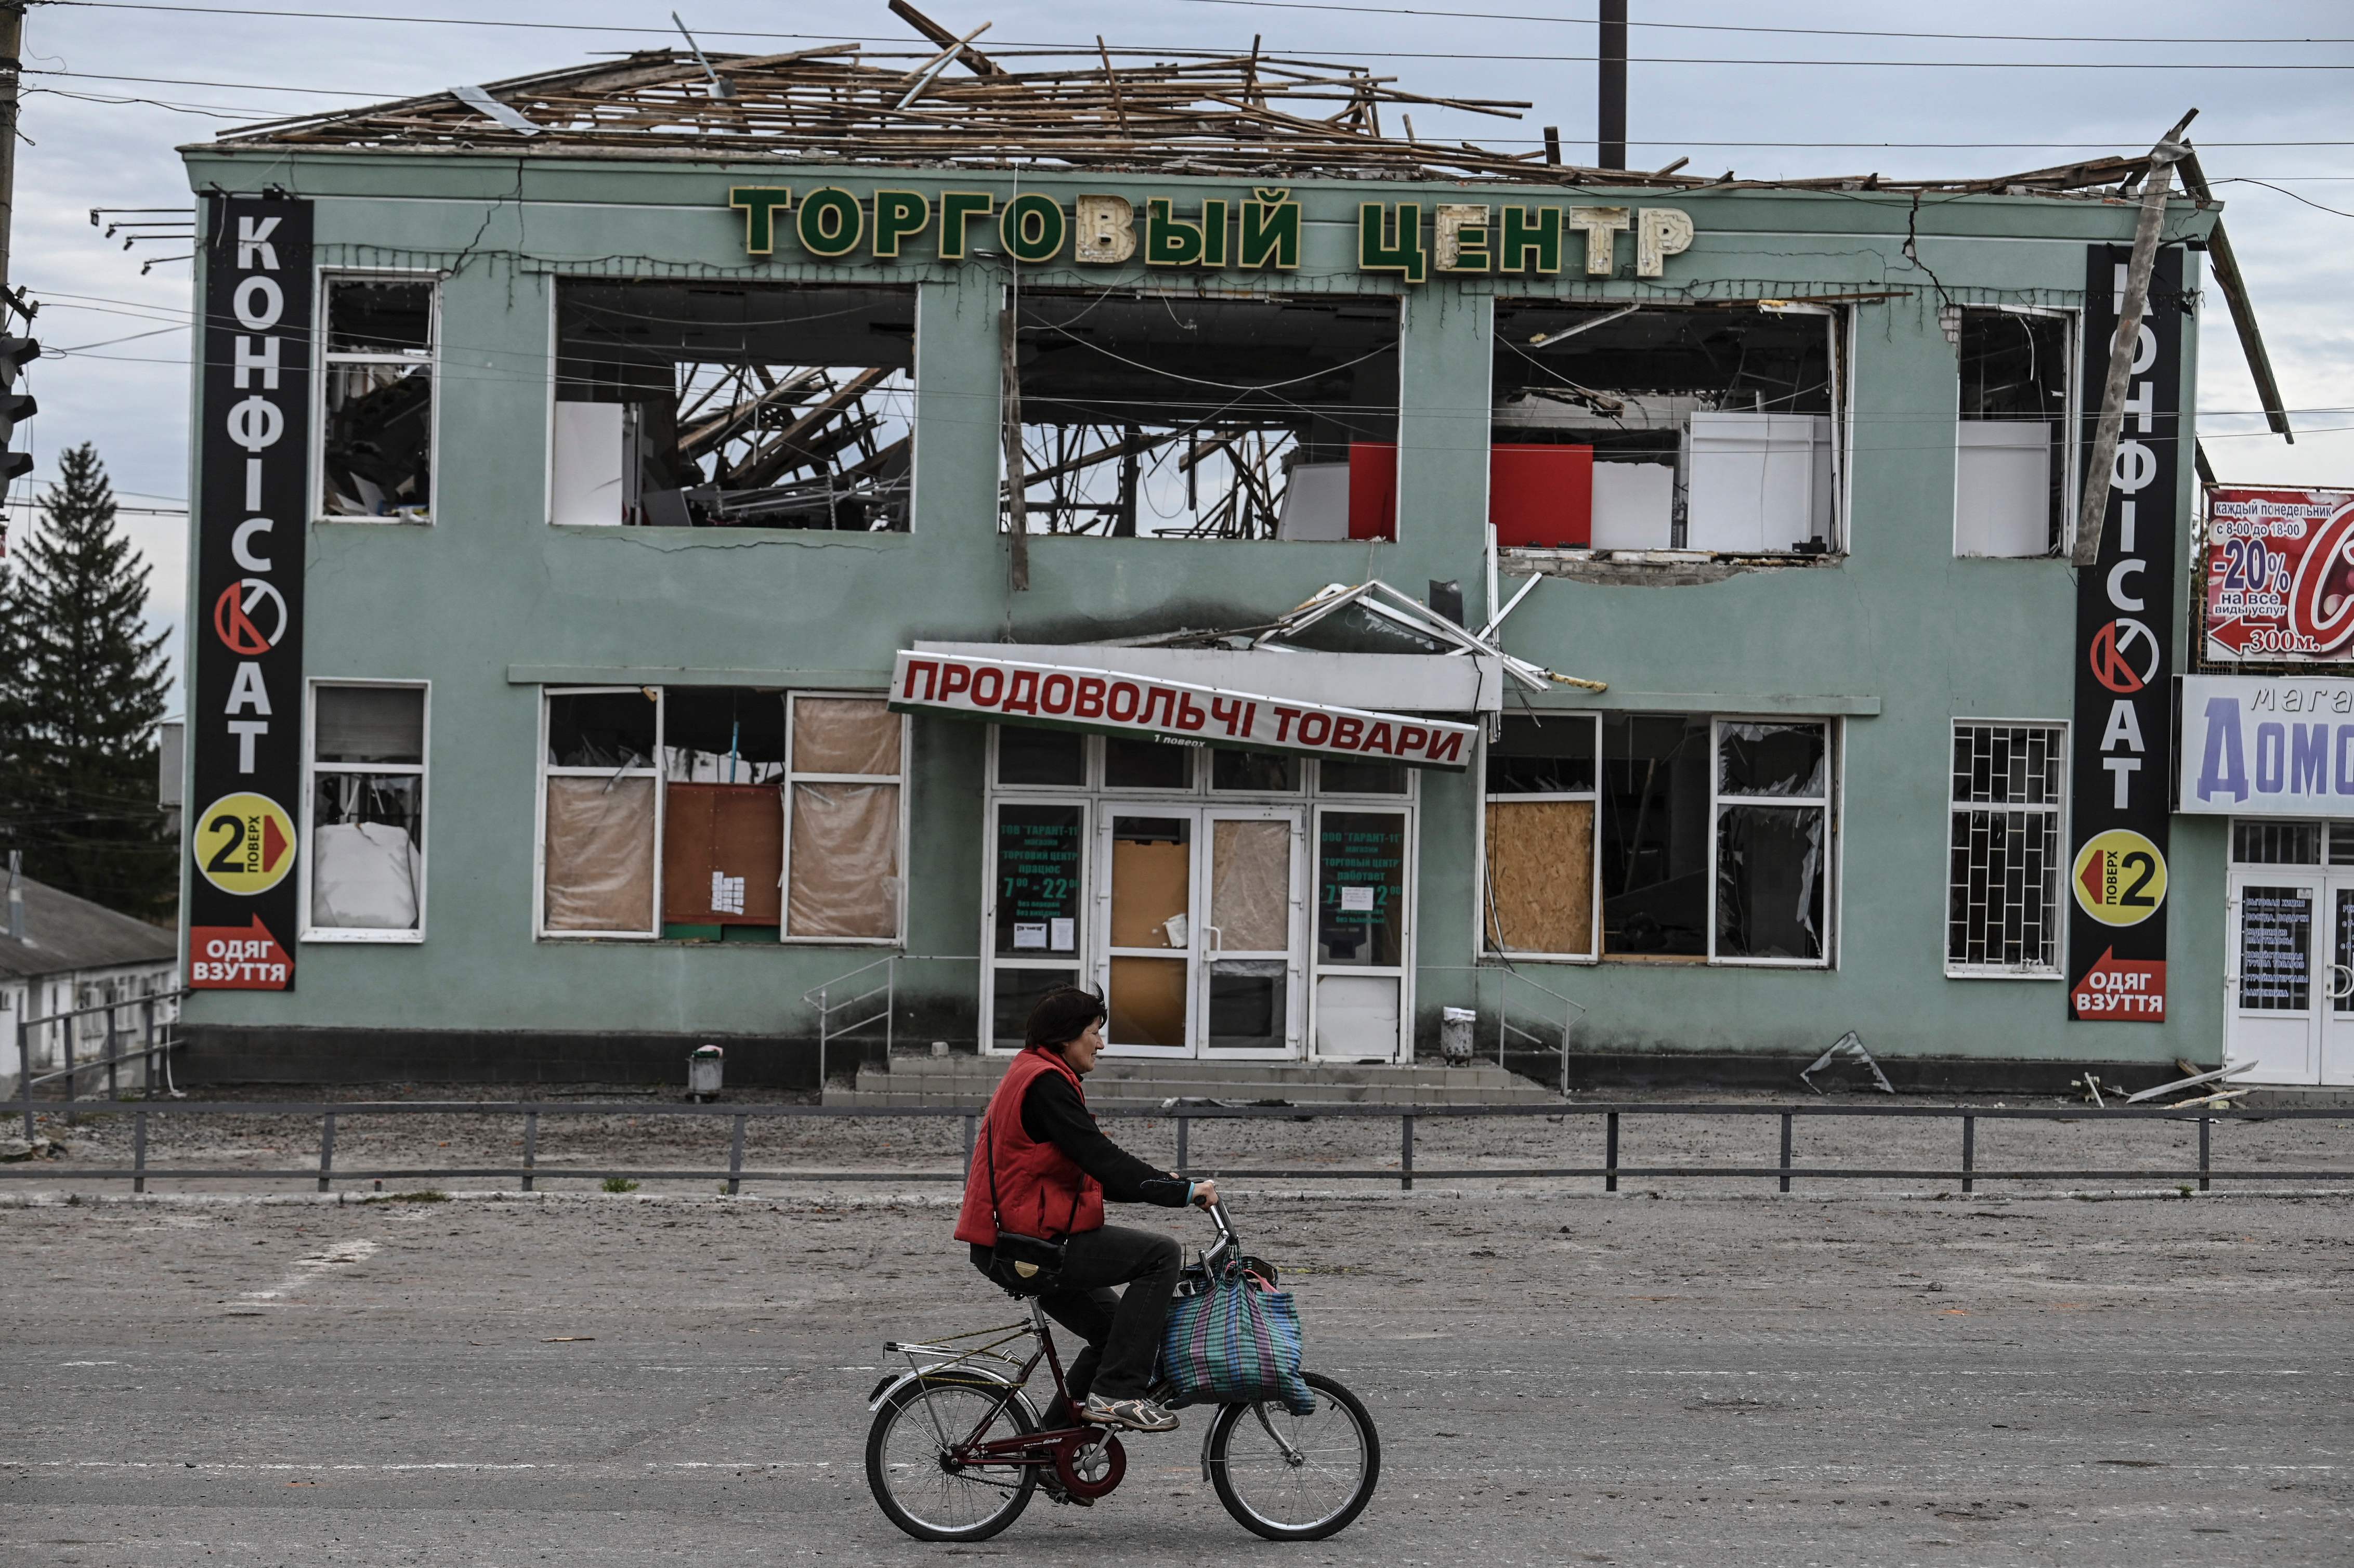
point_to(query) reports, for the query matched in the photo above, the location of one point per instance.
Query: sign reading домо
(2260, 745)
(1260, 231)
(1106, 702)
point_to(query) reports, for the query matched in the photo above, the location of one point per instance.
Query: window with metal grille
(2003, 886)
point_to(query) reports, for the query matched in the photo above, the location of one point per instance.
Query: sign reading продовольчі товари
(1105, 702)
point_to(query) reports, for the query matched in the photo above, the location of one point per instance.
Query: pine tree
(91, 687)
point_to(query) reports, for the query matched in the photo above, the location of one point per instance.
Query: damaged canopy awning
(1108, 701)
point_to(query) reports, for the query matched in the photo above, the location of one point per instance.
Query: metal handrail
(1611, 1170)
(828, 1030)
(1504, 1024)
(155, 1033)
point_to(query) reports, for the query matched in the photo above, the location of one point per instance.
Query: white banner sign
(1170, 711)
(2257, 745)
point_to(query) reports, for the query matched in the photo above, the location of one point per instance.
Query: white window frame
(2071, 482)
(312, 768)
(322, 280)
(1480, 941)
(546, 770)
(793, 777)
(2056, 917)
(1718, 801)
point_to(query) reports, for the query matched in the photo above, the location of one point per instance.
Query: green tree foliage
(81, 688)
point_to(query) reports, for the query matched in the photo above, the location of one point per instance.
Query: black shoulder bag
(1027, 1265)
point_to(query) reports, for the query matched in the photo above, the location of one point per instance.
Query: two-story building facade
(1425, 579)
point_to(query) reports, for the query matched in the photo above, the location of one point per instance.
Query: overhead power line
(1015, 47)
(1255, 5)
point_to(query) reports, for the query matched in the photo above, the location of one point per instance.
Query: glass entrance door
(2335, 1008)
(1251, 991)
(1204, 929)
(2276, 994)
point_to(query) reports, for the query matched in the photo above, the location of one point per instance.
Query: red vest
(1041, 1192)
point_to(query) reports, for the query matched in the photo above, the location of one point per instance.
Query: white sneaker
(1136, 1414)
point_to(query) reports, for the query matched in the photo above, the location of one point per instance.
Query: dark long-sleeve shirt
(1052, 1112)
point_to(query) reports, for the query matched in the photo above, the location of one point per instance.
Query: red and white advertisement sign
(2280, 575)
(1172, 712)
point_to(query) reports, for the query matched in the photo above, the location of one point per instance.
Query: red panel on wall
(1373, 489)
(1540, 496)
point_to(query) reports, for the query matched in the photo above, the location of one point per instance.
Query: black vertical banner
(245, 686)
(2122, 744)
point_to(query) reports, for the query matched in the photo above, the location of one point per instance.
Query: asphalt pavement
(1558, 1378)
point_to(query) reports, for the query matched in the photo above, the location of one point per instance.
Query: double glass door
(1202, 921)
(2291, 973)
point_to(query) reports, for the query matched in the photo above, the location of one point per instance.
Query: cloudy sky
(1812, 87)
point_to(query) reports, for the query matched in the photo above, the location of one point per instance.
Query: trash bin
(703, 1071)
(1455, 1026)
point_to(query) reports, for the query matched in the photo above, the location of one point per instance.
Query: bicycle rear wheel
(1296, 1477)
(920, 1486)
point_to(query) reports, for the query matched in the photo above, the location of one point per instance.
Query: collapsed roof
(1164, 111)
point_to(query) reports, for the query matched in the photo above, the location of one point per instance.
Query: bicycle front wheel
(1296, 1477)
(911, 1468)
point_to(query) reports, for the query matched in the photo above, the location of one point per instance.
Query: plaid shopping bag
(1235, 1342)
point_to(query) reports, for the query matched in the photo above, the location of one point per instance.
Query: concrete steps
(1144, 1084)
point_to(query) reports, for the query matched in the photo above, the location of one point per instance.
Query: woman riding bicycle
(1045, 1168)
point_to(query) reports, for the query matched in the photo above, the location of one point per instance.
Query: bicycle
(957, 1452)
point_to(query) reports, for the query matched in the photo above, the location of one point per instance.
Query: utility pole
(1610, 138)
(11, 40)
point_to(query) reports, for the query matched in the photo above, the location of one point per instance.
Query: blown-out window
(376, 383)
(1712, 427)
(1694, 839)
(722, 814)
(1181, 417)
(365, 876)
(2014, 434)
(732, 404)
(1537, 895)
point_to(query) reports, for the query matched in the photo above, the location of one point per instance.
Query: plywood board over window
(722, 845)
(1541, 875)
(844, 821)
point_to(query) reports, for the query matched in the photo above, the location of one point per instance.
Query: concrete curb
(828, 1202)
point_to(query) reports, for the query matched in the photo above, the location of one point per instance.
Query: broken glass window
(379, 373)
(734, 405)
(1183, 417)
(1620, 427)
(2011, 463)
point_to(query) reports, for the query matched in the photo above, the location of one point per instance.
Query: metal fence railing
(1606, 1119)
(145, 1040)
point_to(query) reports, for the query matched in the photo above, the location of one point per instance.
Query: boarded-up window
(842, 880)
(600, 812)
(600, 854)
(1542, 807)
(1541, 874)
(723, 812)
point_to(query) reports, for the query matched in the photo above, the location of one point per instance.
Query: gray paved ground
(1558, 1378)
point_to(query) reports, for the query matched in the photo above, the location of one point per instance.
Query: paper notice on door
(1065, 933)
(1356, 899)
(1029, 933)
(1178, 928)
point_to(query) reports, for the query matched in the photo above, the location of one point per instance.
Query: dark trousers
(1122, 1331)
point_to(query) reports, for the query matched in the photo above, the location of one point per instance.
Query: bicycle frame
(1035, 1448)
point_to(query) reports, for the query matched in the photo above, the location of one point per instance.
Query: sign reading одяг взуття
(245, 697)
(1172, 713)
(2122, 738)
